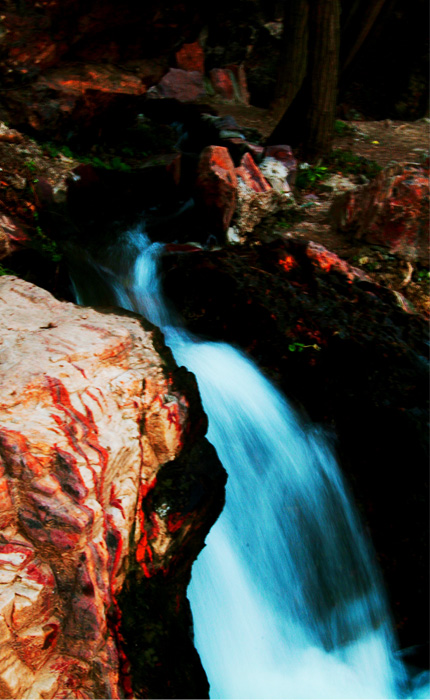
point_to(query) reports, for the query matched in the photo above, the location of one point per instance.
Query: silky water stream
(286, 599)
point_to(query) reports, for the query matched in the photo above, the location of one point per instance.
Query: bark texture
(293, 57)
(308, 121)
(324, 64)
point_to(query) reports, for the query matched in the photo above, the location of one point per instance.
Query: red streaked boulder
(251, 175)
(216, 187)
(391, 211)
(92, 409)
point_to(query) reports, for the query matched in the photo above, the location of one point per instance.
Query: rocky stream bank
(319, 272)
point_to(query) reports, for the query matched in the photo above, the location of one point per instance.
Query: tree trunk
(324, 34)
(293, 61)
(308, 121)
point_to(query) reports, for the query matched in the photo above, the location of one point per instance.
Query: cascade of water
(286, 599)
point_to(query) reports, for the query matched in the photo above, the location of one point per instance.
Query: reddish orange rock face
(328, 261)
(191, 57)
(251, 175)
(216, 187)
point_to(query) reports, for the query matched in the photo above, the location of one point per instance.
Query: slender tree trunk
(309, 118)
(324, 34)
(294, 51)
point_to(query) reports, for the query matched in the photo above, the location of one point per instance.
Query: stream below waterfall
(286, 599)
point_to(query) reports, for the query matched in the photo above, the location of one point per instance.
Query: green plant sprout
(309, 175)
(300, 347)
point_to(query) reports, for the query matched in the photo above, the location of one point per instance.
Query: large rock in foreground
(92, 406)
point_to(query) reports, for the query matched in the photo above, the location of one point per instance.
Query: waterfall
(286, 599)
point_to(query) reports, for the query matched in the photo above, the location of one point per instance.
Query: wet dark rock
(343, 348)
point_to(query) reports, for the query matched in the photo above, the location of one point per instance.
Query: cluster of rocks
(67, 69)
(107, 485)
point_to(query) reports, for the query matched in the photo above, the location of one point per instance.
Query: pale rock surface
(276, 173)
(89, 412)
(256, 197)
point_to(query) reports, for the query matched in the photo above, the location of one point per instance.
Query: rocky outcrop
(106, 485)
(391, 211)
(256, 198)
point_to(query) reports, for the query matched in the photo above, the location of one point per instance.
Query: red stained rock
(182, 85)
(222, 82)
(83, 433)
(216, 186)
(239, 76)
(327, 261)
(392, 211)
(191, 57)
(12, 235)
(251, 175)
(101, 78)
(230, 83)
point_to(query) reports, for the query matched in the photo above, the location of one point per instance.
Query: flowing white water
(286, 599)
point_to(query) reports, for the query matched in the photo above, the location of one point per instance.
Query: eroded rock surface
(92, 406)
(391, 211)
